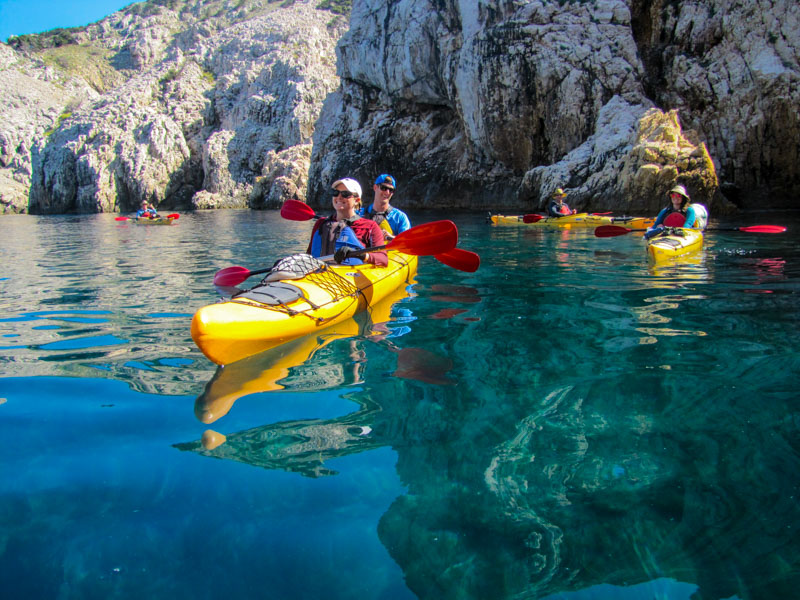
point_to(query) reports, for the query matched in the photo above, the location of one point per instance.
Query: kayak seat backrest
(273, 293)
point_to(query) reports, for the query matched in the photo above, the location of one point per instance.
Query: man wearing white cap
(344, 234)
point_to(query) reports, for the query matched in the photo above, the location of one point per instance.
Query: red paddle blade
(532, 218)
(174, 216)
(763, 229)
(120, 218)
(294, 210)
(463, 260)
(611, 231)
(231, 276)
(427, 239)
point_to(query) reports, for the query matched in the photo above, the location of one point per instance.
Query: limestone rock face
(35, 98)
(493, 104)
(204, 109)
(733, 70)
(489, 104)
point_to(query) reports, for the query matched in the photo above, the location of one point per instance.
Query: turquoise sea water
(566, 423)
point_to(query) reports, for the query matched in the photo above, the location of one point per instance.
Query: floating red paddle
(615, 230)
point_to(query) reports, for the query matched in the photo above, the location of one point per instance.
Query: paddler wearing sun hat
(557, 206)
(680, 213)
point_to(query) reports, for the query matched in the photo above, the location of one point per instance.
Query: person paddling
(392, 220)
(680, 213)
(146, 211)
(557, 206)
(344, 233)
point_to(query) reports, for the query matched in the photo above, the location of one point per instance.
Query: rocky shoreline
(484, 105)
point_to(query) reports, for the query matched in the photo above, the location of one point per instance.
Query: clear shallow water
(566, 422)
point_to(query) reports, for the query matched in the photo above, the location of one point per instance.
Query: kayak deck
(674, 242)
(576, 221)
(273, 313)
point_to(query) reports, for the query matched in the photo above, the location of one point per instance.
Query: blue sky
(35, 16)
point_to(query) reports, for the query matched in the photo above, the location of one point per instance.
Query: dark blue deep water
(568, 422)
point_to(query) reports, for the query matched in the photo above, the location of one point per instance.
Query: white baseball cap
(351, 184)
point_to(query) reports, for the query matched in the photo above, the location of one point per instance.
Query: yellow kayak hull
(235, 329)
(576, 221)
(268, 370)
(156, 221)
(671, 245)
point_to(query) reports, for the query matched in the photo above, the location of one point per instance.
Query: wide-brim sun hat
(679, 189)
(559, 193)
(351, 185)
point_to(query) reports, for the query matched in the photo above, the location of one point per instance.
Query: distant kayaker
(392, 220)
(344, 233)
(680, 213)
(557, 206)
(146, 211)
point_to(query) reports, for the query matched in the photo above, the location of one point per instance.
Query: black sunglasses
(343, 193)
(386, 188)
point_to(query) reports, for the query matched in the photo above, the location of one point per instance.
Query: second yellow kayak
(576, 221)
(673, 242)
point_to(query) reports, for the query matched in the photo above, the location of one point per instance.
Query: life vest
(677, 218)
(381, 218)
(345, 238)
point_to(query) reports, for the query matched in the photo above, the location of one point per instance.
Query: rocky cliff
(187, 104)
(496, 103)
(480, 104)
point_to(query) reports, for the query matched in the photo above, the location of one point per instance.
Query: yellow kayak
(270, 370)
(282, 310)
(156, 221)
(675, 241)
(576, 221)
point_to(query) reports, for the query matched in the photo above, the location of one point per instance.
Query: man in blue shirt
(392, 220)
(146, 211)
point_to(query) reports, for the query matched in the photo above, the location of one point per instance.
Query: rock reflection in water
(298, 446)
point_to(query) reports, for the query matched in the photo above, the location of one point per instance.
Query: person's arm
(691, 217)
(403, 223)
(659, 218)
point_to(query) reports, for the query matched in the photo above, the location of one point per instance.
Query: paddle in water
(463, 260)
(614, 230)
(428, 239)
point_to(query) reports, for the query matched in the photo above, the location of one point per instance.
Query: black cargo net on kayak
(294, 267)
(274, 293)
